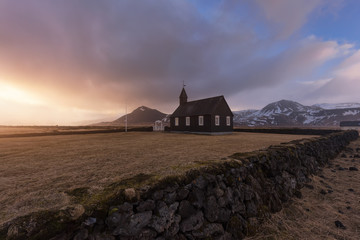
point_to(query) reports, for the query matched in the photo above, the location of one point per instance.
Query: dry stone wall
(224, 200)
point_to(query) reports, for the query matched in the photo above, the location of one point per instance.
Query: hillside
(140, 116)
(290, 113)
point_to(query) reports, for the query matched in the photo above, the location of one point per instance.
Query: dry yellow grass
(35, 172)
(314, 215)
(28, 130)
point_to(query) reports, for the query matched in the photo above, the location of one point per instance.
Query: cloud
(101, 55)
(344, 84)
(287, 16)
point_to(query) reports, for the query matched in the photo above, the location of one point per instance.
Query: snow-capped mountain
(290, 113)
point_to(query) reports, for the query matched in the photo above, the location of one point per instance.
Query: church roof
(213, 105)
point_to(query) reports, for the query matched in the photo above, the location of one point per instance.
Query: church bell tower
(183, 97)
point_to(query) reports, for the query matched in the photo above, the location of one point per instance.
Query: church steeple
(183, 97)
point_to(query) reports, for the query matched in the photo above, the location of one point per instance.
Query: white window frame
(201, 120)
(217, 120)
(228, 121)
(187, 121)
(176, 121)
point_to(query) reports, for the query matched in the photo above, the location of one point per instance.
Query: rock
(117, 219)
(138, 221)
(63, 236)
(130, 194)
(343, 155)
(179, 236)
(182, 194)
(351, 190)
(236, 226)
(348, 207)
(158, 195)
(164, 218)
(197, 197)
(125, 208)
(238, 207)
(100, 236)
(212, 229)
(353, 169)
(90, 221)
(171, 188)
(340, 211)
(160, 238)
(186, 209)
(200, 182)
(211, 209)
(251, 209)
(248, 193)
(224, 215)
(229, 196)
(341, 169)
(333, 170)
(147, 205)
(309, 186)
(339, 224)
(170, 197)
(356, 156)
(222, 201)
(147, 234)
(74, 211)
(330, 191)
(192, 223)
(82, 234)
(222, 185)
(120, 216)
(225, 236)
(174, 228)
(218, 192)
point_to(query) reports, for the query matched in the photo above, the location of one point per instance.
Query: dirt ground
(35, 172)
(333, 195)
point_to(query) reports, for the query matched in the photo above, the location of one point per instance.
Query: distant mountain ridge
(290, 113)
(337, 105)
(281, 113)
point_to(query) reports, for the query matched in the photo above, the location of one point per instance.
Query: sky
(71, 62)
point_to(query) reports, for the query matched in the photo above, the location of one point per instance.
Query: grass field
(35, 172)
(43, 129)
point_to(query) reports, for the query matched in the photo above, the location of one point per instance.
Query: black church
(210, 115)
